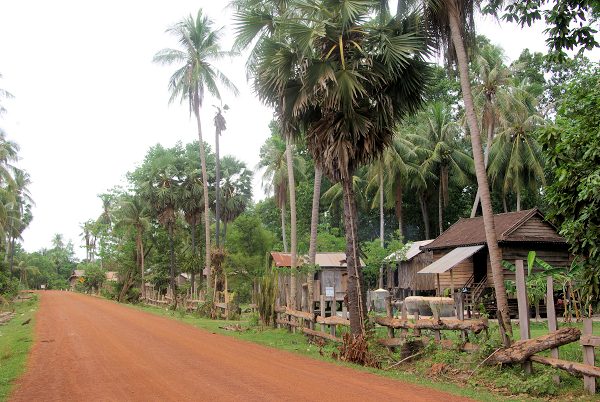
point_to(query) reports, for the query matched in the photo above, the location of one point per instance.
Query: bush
(9, 287)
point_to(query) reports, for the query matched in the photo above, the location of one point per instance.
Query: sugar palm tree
(133, 214)
(451, 22)
(346, 79)
(195, 75)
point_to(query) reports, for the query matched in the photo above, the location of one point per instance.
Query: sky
(89, 102)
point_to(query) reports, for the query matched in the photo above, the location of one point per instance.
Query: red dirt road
(89, 349)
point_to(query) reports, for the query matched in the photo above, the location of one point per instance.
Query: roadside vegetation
(16, 339)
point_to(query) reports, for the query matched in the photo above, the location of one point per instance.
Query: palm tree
(236, 190)
(19, 211)
(220, 126)
(346, 80)
(196, 74)
(312, 246)
(132, 213)
(446, 158)
(4, 94)
(491, 95)
(452, 23)
(273, 158)
(516, 158)
(191, 196)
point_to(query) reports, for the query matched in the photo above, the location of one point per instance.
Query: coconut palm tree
(446, 158)
(4, 94)
(451, 22)
(195, 75)
(273, 158)
(516, 158)
(220, 126)
(345, 79)
(312, 245)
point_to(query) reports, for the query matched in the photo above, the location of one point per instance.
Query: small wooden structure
(75, 278)
(402, 279)
(330, 280)
(460, 254)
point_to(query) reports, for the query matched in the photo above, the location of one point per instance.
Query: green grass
(15, 342)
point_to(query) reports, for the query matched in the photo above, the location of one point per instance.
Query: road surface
(90, 349)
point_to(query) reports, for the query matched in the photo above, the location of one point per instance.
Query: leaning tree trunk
(314, 222)
(293, 240)
(482, 181)
(205, 196)
(140, 250)
(283, 230)
(381, 216)
(424, 214)
(398, 208)
(486, 158)
(356, 297)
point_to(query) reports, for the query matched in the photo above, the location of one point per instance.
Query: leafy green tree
(236, 188)
(195, 75)
(572, 149)
(324, 68)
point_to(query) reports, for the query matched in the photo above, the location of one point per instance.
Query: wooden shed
(331, 276)
(76, 277)
(460, 254)
(402, 279)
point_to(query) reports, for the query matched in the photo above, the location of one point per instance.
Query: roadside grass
(15, 342)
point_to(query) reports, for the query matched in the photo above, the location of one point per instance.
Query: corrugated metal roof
(468, 232)
(334, 259)
(449, 260)
(410, 250)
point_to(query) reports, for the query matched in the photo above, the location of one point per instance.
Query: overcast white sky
(89, 102)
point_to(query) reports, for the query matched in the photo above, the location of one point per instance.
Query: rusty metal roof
(448, 261)
(334, 259)
(471, 231)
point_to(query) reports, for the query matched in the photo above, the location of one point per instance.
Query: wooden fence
(587, 341)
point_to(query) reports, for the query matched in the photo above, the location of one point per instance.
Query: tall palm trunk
(486, 157)
(518, 199)
(314, 222)
(283, 229)
(482, 181)
(381, 216)
(193, 275)
(172, 264)
(293, 240)
(441, 207)
(398, 208)
(217, 189)
(424, 214)
(356, 298)
(204, 195)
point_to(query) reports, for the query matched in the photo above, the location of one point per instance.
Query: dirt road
(89, 349)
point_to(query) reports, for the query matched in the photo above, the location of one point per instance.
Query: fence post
(589, 383)
(322, 305)
(333, 312)
(404, 316)
(416, 331)
(551, 315)
(389, 313)
(523, 308)
(436, 317)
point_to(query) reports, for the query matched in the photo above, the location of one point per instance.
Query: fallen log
(323, 335)
(475, 326)
(520, 351)
(571, 367)
(299, 314)
(333, 320)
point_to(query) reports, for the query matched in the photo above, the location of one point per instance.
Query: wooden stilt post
(333, 312)
(389, 313)
(439, 291)
(322, 304)
(404, 316)
(451, 283)
(523, 308)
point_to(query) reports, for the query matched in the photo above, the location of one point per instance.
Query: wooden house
(329, 280)
(460, 255)
(402, 279)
